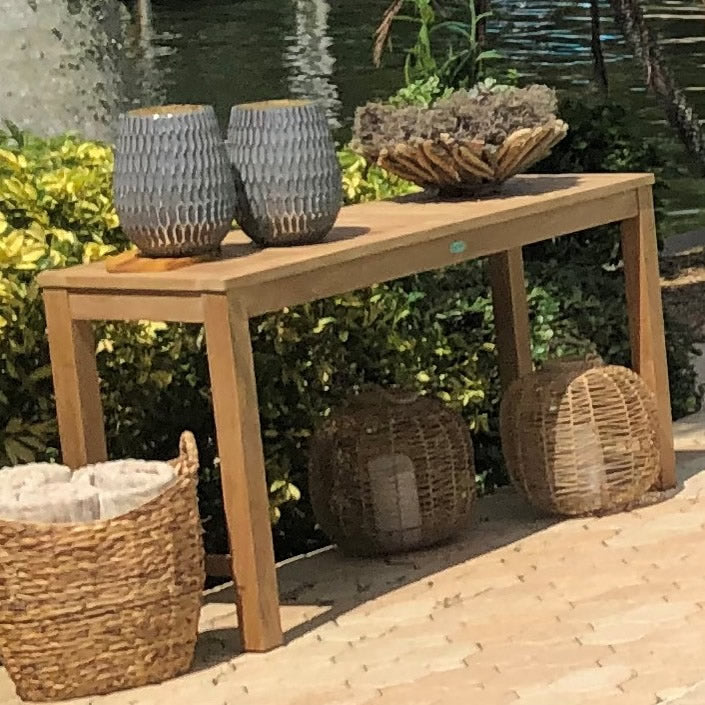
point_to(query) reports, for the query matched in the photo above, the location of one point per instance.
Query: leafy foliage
(55, 210)
(447, 45)
(364, 182)
(423, 93)
(601, 138)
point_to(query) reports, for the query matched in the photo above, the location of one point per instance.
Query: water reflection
(82, 60)
(143, 55)
(309, 59)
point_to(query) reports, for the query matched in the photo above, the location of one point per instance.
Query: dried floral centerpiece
(466, 143)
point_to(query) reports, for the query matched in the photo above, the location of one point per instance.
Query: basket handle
(187, 462)
(586, 362)
(392, 395)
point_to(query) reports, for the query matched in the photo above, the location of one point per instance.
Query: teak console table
(371, 243)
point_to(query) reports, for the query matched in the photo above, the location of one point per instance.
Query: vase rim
(277, 104)
(167, 111)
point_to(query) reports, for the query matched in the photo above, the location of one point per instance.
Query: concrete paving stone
(498, 695)
(386, 674)
(633, 593)
(512, 657)
(447, 621)
(570, 654)
(430, 632)
(668, 695)
(617, 697)
(667, 528)
(613, 633)
(650, 684)
(694, 695)
(403, 612)
(510, 606)
(694, 487)
(540, 633)
(354, 630)
(588, 611)
(660, 653)
(620, 521)
(490, 570)
(334, 696)
(572, 591)
(660, 612)
(547, 698)
(446, 657)
(587, 681)
(635, 623)
(386, 648)
(468, 583)
(434, 686)
(534, 675)
(409, 695)
(489, 633)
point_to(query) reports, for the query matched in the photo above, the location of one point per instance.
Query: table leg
(242, 472)
(645, 310)
(76, 385)
(511, 315)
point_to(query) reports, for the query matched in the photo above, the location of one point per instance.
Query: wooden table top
(363, 231)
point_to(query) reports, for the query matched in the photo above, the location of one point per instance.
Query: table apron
(341, 277)
(105, 305)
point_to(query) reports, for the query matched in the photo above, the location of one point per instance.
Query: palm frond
(382, 32)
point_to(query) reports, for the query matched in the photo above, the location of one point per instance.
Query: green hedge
(432, 332)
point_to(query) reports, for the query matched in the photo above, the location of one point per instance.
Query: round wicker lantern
(580, 437)
(391, 472)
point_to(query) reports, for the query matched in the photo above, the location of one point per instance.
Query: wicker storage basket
(391, 472)
(580, 437)
(95, 607)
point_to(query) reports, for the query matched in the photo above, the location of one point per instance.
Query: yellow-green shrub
(55, 210)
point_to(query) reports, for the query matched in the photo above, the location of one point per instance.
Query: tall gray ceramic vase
(287, 177)
(174, 190)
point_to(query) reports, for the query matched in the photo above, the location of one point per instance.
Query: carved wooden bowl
(467, 167)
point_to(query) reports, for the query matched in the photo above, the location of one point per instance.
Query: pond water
(229, 51)
(224, 52)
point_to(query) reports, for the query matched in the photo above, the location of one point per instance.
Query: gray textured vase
(174, 190)
(287, 178)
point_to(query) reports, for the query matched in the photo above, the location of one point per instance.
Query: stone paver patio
(520, 610)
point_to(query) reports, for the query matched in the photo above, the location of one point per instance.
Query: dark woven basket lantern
(580, 437)
(391, 472)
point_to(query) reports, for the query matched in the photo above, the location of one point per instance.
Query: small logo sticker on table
(457, 247)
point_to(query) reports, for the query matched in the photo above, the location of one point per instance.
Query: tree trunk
(598, 59)
(144, 19)
(482, 6)
(644, 44)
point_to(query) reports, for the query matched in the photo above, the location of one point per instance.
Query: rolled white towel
(9, 507)
(59, 502)
(125, 485)
(33, 475)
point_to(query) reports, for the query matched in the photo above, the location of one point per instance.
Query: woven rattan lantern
(391, 472)
(580, 437)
